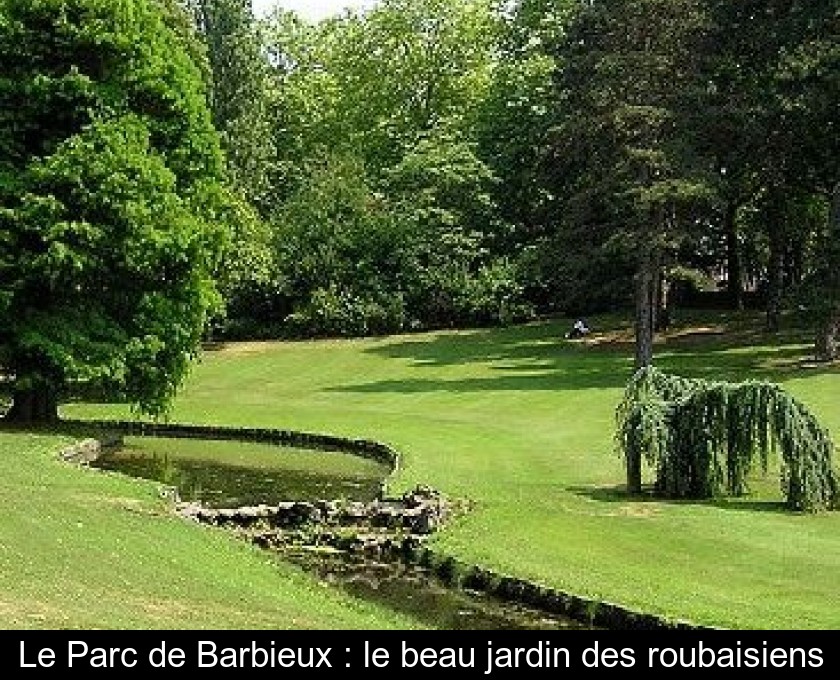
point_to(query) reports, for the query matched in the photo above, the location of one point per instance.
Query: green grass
(521, 422)
(81, 548)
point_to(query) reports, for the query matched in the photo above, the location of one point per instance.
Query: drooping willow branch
(704, 438)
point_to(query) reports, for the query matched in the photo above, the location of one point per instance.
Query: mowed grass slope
(521, 422)
(87, 549)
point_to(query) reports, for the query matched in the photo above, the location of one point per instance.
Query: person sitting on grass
(578, 330)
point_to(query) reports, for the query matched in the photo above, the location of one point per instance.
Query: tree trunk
(775, 271)
(34, 405)
(647, 285)
(827, 343)
(794, 263)
(634, 474)
(647, 280)
(734, 273)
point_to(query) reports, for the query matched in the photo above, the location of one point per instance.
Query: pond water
(232, 474)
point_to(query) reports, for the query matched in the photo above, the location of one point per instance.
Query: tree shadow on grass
(536, 357)
(613, 335)
(775, 363)
(547, 380)
(619, 494)
(519, 383)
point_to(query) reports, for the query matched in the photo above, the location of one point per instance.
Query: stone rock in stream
(250, 515)
(329, 511)
(83, 452)
(425, 522)
(418, 512)
(386, 517)
(295, 514)
(420, 496)
(354, 513)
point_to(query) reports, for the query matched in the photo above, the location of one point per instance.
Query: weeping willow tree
(704, 438)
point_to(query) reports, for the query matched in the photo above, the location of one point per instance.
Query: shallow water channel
(232, 474)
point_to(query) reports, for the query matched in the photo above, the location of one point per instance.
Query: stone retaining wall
(597, 613)
(365, 448)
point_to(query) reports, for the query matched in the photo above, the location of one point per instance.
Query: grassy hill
(519, 421)
(88, 549)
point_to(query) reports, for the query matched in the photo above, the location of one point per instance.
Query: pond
(225, 474)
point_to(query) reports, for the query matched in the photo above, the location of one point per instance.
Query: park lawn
(520, 422)
(85, 549)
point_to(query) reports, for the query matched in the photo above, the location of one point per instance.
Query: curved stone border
(454, 572)
(364, 448)
(596, 613)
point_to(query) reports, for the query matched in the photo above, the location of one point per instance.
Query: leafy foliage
(240, 95)
(443, 194)
(355, 261)
(110, 201)
(704, 438)
(341, 255)
(575, 153)
(406, 67)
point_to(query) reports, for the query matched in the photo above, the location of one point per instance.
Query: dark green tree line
(618, 144)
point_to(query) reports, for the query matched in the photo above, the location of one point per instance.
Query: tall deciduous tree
(241, 96)
(384, 101)
(517, 110)
(382, 79)
(564, 258)
(110, 185)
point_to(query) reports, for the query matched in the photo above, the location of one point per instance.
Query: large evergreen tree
(622, 166)
(621, 160)
(110, 176)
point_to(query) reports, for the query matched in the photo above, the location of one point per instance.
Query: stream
(233, 474)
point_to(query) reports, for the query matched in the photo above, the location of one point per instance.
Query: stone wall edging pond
(455, 572)
(306, 440)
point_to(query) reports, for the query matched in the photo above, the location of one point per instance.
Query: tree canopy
(635, 147)
(416, 165)
(110, 190)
